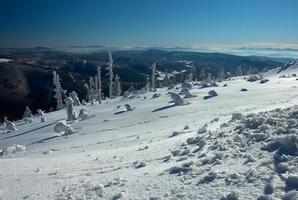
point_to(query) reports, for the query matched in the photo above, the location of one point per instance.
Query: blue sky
(57, 23)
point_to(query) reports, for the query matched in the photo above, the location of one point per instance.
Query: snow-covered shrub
(236, 116)
(120, 195)
(281, 168)
(140, 164)
(179, 170)
(292, 195)
(186, 86)
(12, 150)
(269, 188)
(43, 119)
(231, 196)
(264, 197)
(286, 145)
(70, 111)
(175, 133)
(176, 152)
(40, 112)
(213, 84)
(155, 96)
(178, 101)
(264, 81)
(211, 94)
(203, 129)
(128, 107)
(211, 176)
(63, 127)
(75, 98)
(84, 103)
(9, 125)
(253, 78)
(83, 114)
(292, 182)
(186, 93)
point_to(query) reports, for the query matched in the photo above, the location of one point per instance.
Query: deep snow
(160, 151)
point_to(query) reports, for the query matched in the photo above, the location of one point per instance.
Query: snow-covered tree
(98, 85)
(166, 79)
(208, 78)
(27, 113)
(58, 91)
(117, 86)
(111, 75)
(91, 90)
(75, 98)
(153, 77)
(202, 74)
(70, 111)
(220, 74)
(238, 71)
(147, 86)
(193, 73)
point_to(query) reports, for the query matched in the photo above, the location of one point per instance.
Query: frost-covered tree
(238, 71)
(27, 113)
(98, 85)
(153, 77)
(193, 73)
(70, 111)
(147, 86)
(208, 78)
(202, 74)
(117, 86)
(76, 100)
(91, 90)
(58, 91)
(111, 75)
(220, 74)
(166, 79)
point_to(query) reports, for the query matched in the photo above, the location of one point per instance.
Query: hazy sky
(57, 23)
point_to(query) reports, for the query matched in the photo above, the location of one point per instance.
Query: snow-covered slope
(147, 153)
(286, 69)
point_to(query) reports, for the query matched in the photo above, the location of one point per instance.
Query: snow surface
(158, 151)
